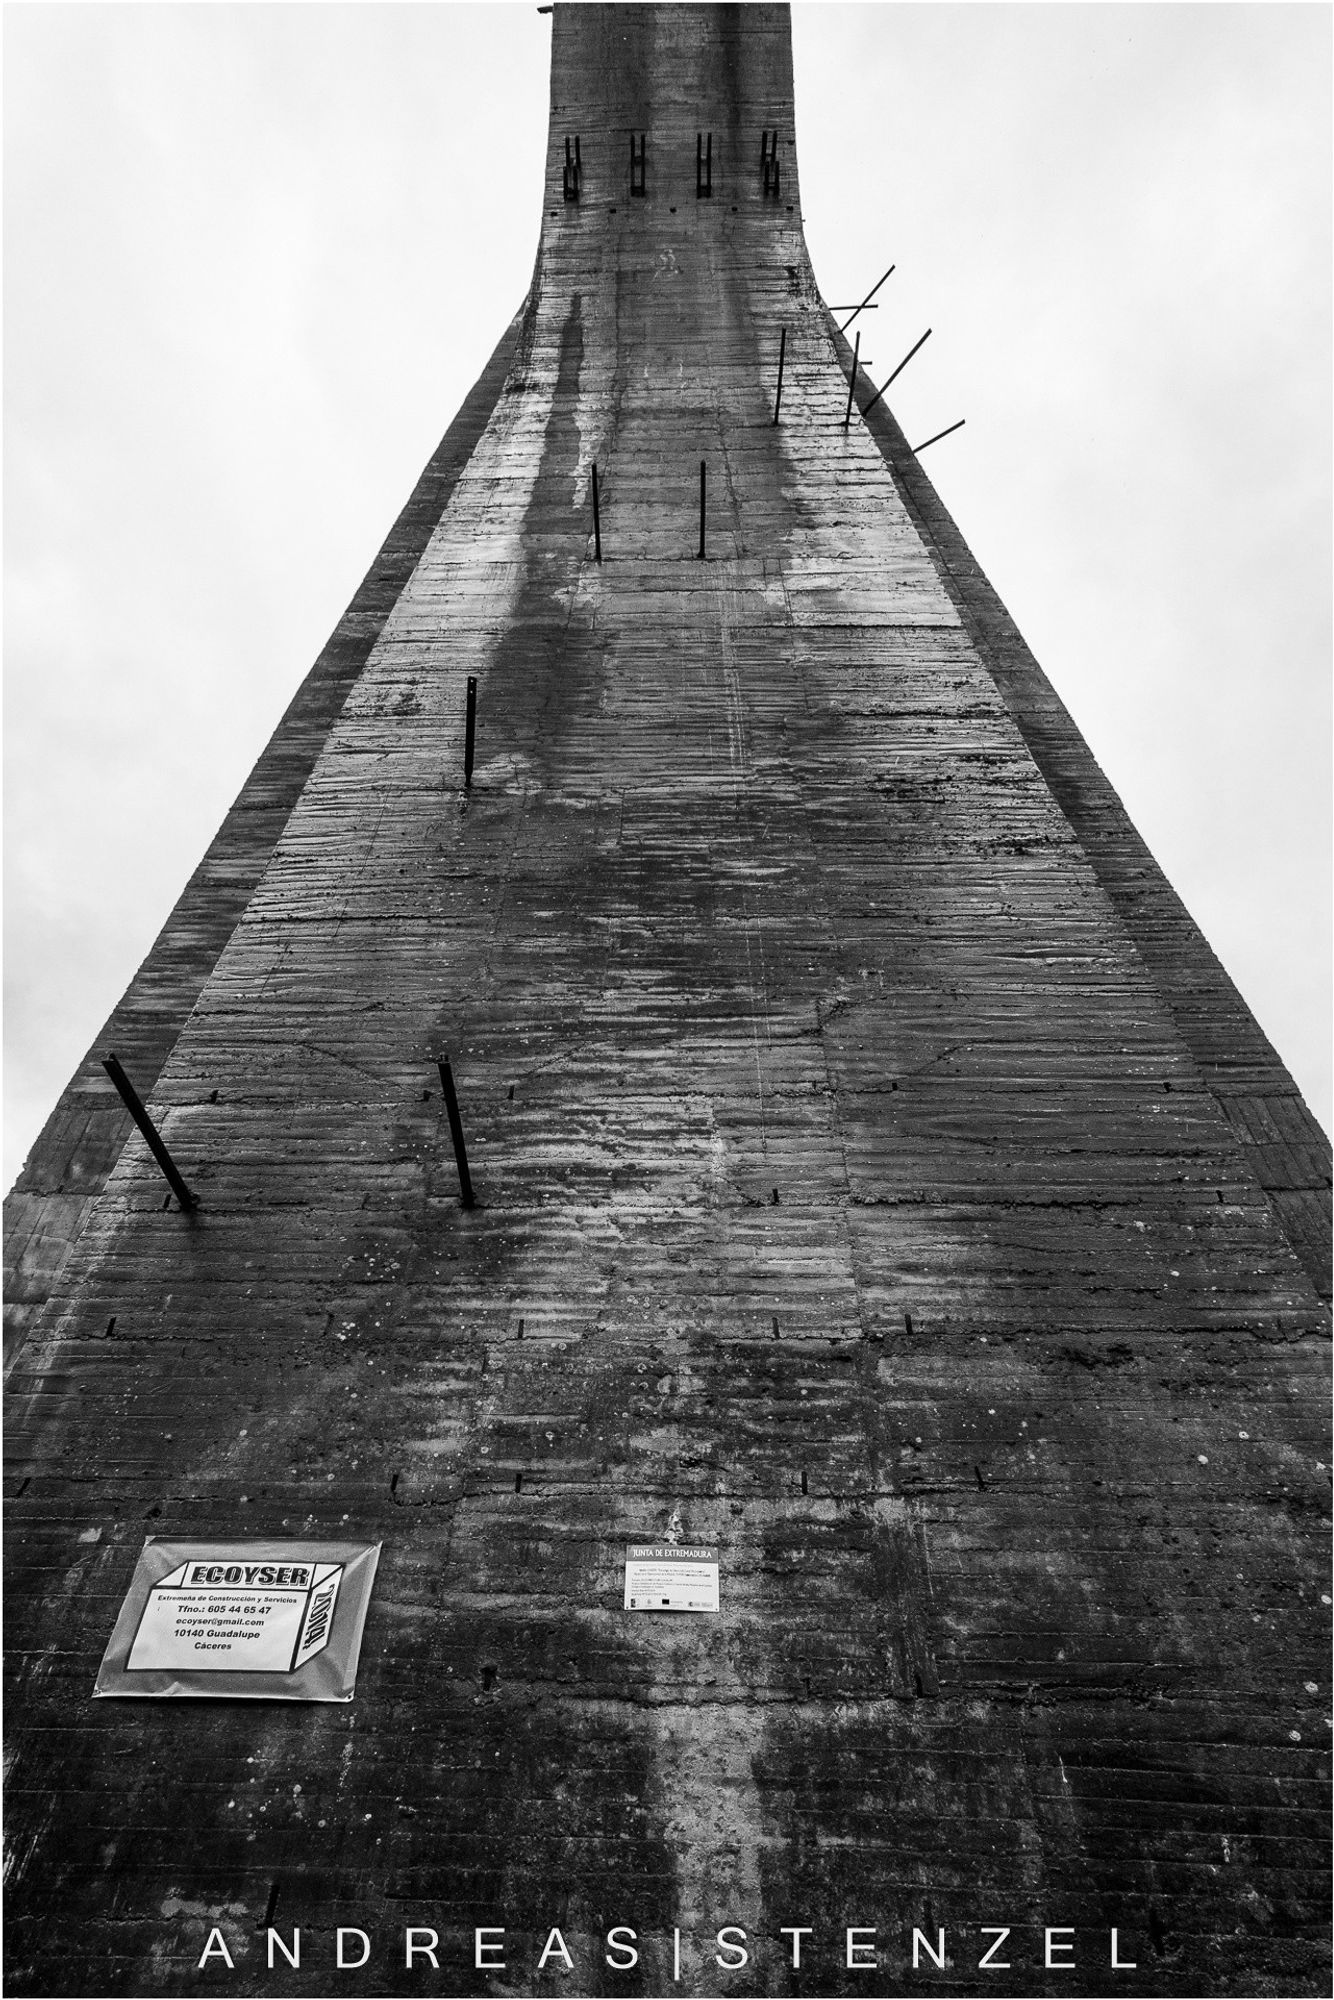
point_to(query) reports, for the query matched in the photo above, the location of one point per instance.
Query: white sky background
(257, 254)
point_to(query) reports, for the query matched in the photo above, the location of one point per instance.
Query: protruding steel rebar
(702, 478)
(939, 435)
(897, 372)
(456, 1131)
(769, 177)
(866, 301)
(852, 381)
(597, 521)
(134, 1105)
(782, 350)
(470, 729)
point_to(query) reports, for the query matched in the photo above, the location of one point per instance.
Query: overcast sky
(257, 254)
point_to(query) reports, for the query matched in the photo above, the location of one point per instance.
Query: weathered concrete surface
(85, 1134)
(1280, 1139)
(854, 1191)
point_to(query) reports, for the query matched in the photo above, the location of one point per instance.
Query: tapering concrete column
(873, 1176)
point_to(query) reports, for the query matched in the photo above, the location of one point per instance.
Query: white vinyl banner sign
(663, 1578)
(252, 1618)
(259, 1619)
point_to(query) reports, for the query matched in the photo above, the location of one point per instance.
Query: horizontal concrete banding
(82, 1139)
(848, 1197)
(1282, 1142)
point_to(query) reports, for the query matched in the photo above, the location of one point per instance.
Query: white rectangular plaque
(259, 1620)
(659, 1577)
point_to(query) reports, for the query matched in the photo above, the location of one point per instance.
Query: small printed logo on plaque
(271, 1620)
(661, 1577)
